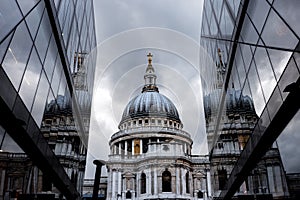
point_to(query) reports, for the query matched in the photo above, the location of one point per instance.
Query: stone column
(208, 183)
(132, 147)
(119, 152)
(177, 180)
(278, 179)
(69, 149)
(113, 183)
(64, 148)
(271, 179)
(119, 183)
(149, 182)
(183, 182)
(141, 146)
(126, 146)
(3, 179)
(155, 182)
(133, 195)
(138, 189)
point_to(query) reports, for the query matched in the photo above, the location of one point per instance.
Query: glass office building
(48, 58)
(252, 47)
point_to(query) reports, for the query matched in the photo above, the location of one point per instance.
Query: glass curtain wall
(47, 68)
(252, 47)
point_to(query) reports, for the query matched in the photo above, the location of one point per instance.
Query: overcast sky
(126, 32)
(170, 29)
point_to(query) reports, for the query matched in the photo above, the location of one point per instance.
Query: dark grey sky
(169, 29)
(126, 32)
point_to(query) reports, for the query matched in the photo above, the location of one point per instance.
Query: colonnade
(121, 148)
(121, 184)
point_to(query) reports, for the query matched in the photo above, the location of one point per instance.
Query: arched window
(128, 195)
(187, 182)
(143, 183)
(200, 195)
(166, 181)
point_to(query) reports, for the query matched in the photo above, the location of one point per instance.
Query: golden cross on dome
(149, 58)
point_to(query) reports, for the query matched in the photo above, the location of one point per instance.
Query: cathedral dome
(150, 104)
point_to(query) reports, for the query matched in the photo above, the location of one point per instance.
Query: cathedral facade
(150, 156)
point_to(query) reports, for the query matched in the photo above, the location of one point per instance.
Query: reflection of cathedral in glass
(267, 180)
(151, 155)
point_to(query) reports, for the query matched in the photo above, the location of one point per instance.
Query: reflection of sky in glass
(30, 79)
(8, 19)
(288, 143)
(16, 57)
(258, 75)
(40, 99)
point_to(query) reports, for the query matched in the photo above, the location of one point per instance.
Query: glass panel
(257, 95)
(9, 145)
(240, 68)
(56, 2)
(248, 32)
(265, 72)
(3, 47)
(217, 5)
(235, 83)
(67, 23)
(30, 79)
(226, 24)
(27, 5)
(234, 4)
(264, 120)
(34, 18)
(258, 11)
(79, 12)
(83, 33)
(62, 13)
(297, 59)
(279, 60)
(17, 55)
(50, 104)
(213, 26)
(204, 26)
(62, 87)
(40, 99)
(288, 142)
(274, 102)
(56, 76)
(20, 111)
(50, 58)
(43, 36)
(290, 75)
(277, 34)
(10, 15)
(289, 10)
(247, 55)
(246, 89)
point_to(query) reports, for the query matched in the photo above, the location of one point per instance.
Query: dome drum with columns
(150, 156)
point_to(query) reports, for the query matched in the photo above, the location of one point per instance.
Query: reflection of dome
(150, 104)
(235, 102)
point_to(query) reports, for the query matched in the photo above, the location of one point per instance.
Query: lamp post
(99, 164)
